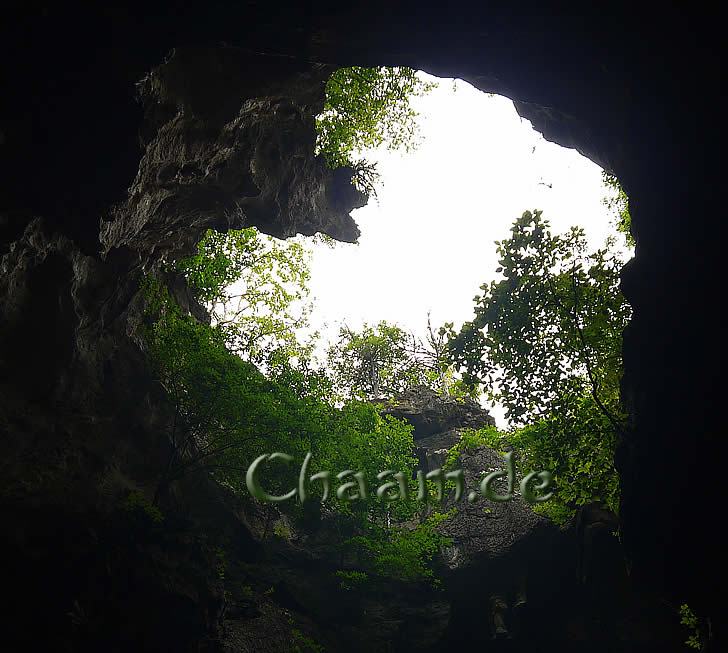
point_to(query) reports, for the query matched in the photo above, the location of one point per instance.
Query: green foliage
(618, 202)
(137, 504)
(552, 328)
(375, 363)
(228, 408)
(577, 446)
(352, 579)
(546, 342)
(691, 622)
(303, 643)
(220, 402)
(226, 412)
(403, 554)
(368, 442)
(471, 439)
(382, 361)
(254, 287)
(577, 449)
(433, 354)
(365, 108)
(282, 530)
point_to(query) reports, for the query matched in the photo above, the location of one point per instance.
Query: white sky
(427, 243)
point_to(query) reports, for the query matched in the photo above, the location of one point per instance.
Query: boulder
(431, 413)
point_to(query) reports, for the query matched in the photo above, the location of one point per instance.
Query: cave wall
(97, 187)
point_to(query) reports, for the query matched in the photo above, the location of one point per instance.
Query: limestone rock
(488, 529)
(431, 413)
(225, 151)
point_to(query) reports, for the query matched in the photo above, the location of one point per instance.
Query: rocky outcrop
(491, 544)
(83, 419)
(430, 413)
(488, 529)
(226, 151)
(513, 578)
(435, 421)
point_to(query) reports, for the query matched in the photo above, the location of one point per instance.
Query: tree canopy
(546, 342)
(254, 286)
(366, 108)
(618, 202)
(551, 328)
(230, 403)
(382, 361)
(375, 362)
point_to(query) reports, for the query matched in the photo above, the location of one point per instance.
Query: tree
(434, 355)
(546, 342)
(254, 287)
(210, 390)
(551, 328)
(382, 361)
(241, 384)
(618, 202)
(365, 108)
(374, 363)
(225, 411)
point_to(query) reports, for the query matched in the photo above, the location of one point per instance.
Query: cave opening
(85, 441)
(476, 162)
(430, 227)
(475, 169)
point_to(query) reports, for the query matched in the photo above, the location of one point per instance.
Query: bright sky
(427, 243)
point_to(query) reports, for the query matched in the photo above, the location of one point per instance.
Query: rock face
(483, 530)
(493, 545)
(430, 413)
(487, 529)
(512, 578)
(484, 536)
(82, 416)
(226, 151)
(436, 420)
